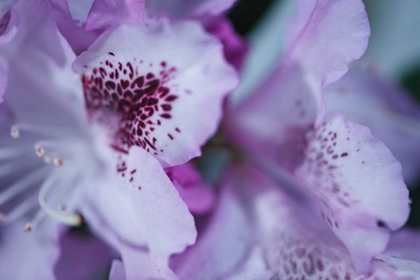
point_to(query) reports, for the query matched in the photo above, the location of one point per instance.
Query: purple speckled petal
(356, 178)
(324, 37)
(169, 100)
(139, 206)
(387, 110)
(296, 246)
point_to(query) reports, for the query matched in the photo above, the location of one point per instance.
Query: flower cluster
(108, 105)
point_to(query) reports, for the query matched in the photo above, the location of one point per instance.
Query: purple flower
(96, 142)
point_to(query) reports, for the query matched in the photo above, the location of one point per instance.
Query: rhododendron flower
(341, 163)
(105, 103)
(96, 142)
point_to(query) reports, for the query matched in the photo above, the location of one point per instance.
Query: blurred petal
(273, 122)
(29, 255)
(170, 104)
(265, 49)
(193, 190)
(356, 178)
(324, 37)
(3, 83)
(225, 243)
(254, 268)
(235, 48)
(108, 13)
(70, 15)
(117, 271)
(383, 107)
(82, 257)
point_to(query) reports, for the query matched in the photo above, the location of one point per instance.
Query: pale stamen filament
(68, 219)
(15, 165)
(9, 153)
(22, 185)
(20, 210)
(17, 129)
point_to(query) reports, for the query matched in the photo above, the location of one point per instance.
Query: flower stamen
(68, 219)
(28, 227)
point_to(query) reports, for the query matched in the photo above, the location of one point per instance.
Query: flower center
(141, 101)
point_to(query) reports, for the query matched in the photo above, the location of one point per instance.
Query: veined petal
(180, 9)
(139, 206)
(386, 109)
(324, 37)
(356, 178)
(168, 99)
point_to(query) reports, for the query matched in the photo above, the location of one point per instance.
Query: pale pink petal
(169, 98)
(356, 179)
(189, 8)
(108, 13)
(386, 109)
(140, 264)
(139, 206)
(193, 190)
(325, 36)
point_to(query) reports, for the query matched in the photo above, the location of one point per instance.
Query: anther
(58, 162)
(39, 151)
(28, 227)
(62, 207)
(14, 132)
